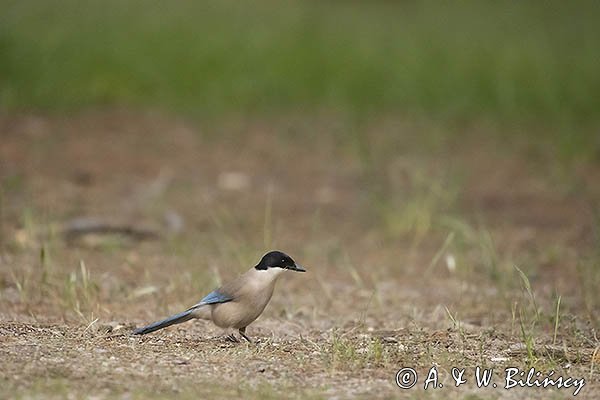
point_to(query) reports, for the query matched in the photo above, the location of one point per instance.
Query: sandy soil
(411, 250)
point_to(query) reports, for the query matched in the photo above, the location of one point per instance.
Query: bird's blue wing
(215, 297)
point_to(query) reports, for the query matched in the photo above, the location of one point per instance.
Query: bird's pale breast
(240, 312)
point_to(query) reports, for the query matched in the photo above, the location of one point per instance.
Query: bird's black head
(278, 259)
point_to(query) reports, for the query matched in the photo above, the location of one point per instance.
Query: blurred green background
(509, 62)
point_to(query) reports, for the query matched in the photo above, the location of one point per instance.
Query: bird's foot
(231, 338)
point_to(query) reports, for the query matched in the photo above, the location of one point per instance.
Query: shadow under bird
(239, 302)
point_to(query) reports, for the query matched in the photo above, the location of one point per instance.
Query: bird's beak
(297, 268)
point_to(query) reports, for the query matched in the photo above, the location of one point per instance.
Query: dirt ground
(460, 252)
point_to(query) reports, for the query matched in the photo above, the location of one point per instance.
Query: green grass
(503, 60)
(57, 386)
(346, 353)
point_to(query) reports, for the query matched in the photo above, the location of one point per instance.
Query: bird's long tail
(174, 319)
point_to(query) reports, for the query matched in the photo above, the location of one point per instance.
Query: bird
(237, 303)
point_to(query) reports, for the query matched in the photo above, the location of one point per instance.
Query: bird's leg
(242, 332)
